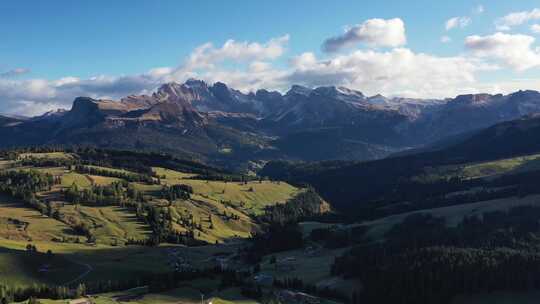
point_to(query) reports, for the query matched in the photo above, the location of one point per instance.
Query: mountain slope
(366, 186)
(227, 127)
(6, 121)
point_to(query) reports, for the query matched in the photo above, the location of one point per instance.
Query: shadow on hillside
(36, 267)
(531, 165)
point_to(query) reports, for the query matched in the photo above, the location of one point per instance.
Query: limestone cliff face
(85, 112)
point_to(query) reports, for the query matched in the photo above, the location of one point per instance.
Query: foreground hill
(152, 221)
(107, 198)
(83, 221)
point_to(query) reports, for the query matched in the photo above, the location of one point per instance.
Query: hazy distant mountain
(351, 185)
(6, 121)
(470, 112)
(221, 124)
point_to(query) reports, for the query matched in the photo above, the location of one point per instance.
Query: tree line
(130, 177)
(25, 184)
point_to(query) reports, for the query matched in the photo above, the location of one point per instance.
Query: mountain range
(218, 124)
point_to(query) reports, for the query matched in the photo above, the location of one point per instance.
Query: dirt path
(89, 269)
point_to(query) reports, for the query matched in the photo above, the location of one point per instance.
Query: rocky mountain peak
(182, 94)
(84, 112)
(339, 93)
(51, 115)
(267, 95)
(84, 104)
(524, 95)
(326, 91)
(378, 100)
(299, 90)
(221, 91)
(169, 89)
(196, 84)
(471, 99)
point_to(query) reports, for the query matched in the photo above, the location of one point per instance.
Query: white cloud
(515, 51)
(445, 39)
(479, 9)
(254, 71)
(253, 65)
(516, 18)
(38, 95)
(206, 55)
(535, 28)
(160, 72)
(372, 32)
(509, 86)
(259, 66)
(31, 108)
(14, 72)
(304, 61)
(457, 22)
(399, 71)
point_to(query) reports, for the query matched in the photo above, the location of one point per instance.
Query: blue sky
(52, 51)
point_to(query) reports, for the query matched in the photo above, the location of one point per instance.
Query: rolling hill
(90, 215)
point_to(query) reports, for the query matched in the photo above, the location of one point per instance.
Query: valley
(269, 152)
(73, 217)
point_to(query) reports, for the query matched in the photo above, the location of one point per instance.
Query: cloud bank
(457, 22)
(14, 72)
(373, 32)
(370, 57)
(517, 18)
(512, 50)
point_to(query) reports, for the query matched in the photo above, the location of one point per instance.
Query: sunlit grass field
(230, 206)
(254, 195)
(36, 227)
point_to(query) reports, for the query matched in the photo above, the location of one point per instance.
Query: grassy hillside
(189, 294)
(21, 268)
(452, 214)
(114, 222)
(211, 199)
(503, 166)
(108, 223)
(250, 196)
(21, 223)
(488, 169)
(94, 263)
(221, 212)
(311, 268)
